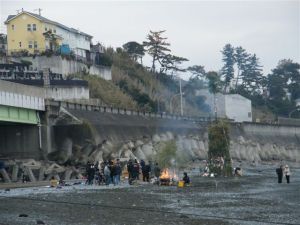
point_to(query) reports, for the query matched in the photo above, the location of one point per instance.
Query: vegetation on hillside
(109, 93)
(156, 88)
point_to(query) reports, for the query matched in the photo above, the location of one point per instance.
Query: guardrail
(122, 111)
(22, 101)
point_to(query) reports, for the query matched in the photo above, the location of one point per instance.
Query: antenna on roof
(18, 10)
(40, 10)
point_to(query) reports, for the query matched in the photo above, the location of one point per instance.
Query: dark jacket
(146, 169)
(157, 171)
(186, 179)
(118, 169)
(279, 171)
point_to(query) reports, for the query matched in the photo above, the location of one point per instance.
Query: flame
(165, 174)
(168, 174)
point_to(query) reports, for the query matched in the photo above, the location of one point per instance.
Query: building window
(54, 31)
(46, 29)
(30, 44)
(34, 27)
(28, 27)
(249, 114)
(35, 45)
(13, 27)
(20, 44)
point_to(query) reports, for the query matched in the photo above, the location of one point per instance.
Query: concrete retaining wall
(249, 141)
(16, 92)
(57, 64)
(65, 93)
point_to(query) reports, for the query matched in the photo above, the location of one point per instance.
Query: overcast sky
(197, 30)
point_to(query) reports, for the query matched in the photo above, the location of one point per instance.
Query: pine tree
(156, 46)
(241, 58)
(252, 76)
(227, 71)
(134, 50)
(284, 79)
(171, 62)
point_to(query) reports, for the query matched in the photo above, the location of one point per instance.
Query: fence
(122, 111)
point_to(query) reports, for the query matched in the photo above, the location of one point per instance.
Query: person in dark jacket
(136, 170)
(156, 171)
(91, 174)
(142, 163)
(146, 169)
(117, 173)
(186, 178)
(112, 170)
(279, 172)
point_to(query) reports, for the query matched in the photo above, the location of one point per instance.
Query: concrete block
(42, 173)
(68, 173)
(5, 175)
(30, 174)
(15, 173)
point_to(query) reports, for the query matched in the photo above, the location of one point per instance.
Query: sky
(197, 30)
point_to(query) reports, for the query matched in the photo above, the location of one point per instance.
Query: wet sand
(254, 199)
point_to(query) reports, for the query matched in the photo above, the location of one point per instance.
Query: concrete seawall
(249, 141)
(106, 135)
(255, 142)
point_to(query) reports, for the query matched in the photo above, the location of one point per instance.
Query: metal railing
(123, 111)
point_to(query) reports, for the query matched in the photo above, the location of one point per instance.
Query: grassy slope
(142, 89)
(109, 93)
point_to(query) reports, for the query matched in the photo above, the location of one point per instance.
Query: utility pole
(180, 90)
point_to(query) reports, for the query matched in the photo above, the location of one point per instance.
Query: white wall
(22, 101)
(238, 108)
(66, 93)
(66, 67)
(233, 106)
(76, 41)
(31, 97)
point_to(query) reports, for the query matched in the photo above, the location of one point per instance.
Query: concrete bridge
(20, 110)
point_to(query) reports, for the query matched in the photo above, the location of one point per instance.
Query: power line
(147, 209)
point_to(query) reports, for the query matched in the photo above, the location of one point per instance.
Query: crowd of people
(148, 170)
(110, 172)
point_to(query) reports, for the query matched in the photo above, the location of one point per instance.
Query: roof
(10, 17)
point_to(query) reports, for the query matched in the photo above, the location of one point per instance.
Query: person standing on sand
(279, 172)
(287, 173)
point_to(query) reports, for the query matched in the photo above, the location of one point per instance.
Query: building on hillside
(231, 106)
(3, 44)
(96, 51)
(34, 34)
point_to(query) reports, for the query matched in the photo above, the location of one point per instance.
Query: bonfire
(168, 177)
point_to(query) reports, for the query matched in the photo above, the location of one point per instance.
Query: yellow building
(31, 32)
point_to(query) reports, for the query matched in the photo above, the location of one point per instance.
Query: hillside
(134, 87)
